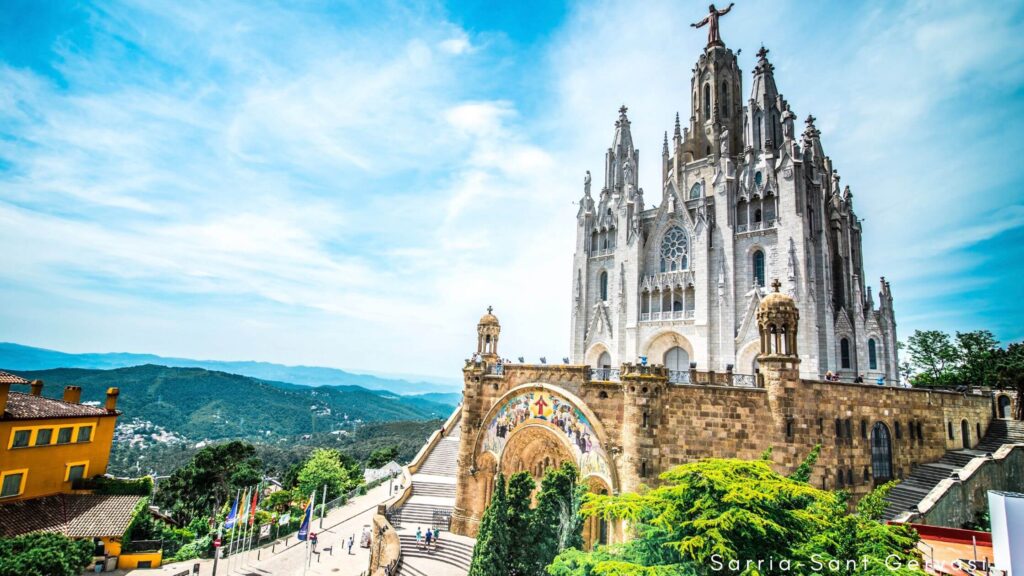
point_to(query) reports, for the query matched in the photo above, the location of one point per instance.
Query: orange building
(45, 444)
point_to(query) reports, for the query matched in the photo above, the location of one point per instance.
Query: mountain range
(202, 404)
(18, 357)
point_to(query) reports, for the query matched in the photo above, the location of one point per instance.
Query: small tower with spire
(488, 330)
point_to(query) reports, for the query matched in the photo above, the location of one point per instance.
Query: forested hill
(204, 404)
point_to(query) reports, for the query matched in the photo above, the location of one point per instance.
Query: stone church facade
(683, 286)
(744, 199)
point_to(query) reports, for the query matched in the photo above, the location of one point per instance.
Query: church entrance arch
(538, 426)
(657, 348)
(746, 360)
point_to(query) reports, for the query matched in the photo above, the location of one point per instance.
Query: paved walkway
(286, 559)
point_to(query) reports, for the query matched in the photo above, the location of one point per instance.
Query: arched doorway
(534, 449)
(965, 433)
(604, 360)
(677, 359)
(881, 453)
(1004, 406)
(597, 531)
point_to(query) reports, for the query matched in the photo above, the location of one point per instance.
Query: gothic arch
(610, 476)
(594, 352)
(661, 342)
(746, 357)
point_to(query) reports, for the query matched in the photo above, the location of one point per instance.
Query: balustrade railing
(744, 380)
(754, 226)
(667, 315)
(679, 376)
(605, 374)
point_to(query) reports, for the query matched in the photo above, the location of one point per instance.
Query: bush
(44, 555)
(116, 487)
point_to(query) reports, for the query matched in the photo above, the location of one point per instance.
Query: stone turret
(643, 387)
(778, 362)
(488, 330)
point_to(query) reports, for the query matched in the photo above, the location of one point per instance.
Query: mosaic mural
(542, 407)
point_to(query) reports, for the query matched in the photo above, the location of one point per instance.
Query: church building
(744, 199)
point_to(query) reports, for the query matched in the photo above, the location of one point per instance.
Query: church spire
(623, 160)
(765, 106)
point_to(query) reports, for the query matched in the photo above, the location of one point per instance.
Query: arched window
(674, 250)
(725, 99)
(1004, 406)
(604, 286)
(695, 191)
(844, 353)
(949, 429)
(757, 215)
(758, 178)
(881, 453)
(965, 433)
(872, 355)
(677, 360)
(757, 139)
(707, 102)
(604, 360)
(611, 238)
(759, 268)
(741, 212)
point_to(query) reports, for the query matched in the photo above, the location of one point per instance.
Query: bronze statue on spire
(712, 22)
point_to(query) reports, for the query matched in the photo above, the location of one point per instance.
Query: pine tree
(556, 524)
(520, 492)
(490, 554)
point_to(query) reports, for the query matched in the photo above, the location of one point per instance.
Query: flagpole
(234, 530)
(238, 497)
(247, 528)
(252, 523)
(312, 503)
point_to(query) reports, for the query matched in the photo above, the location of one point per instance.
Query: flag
(307, 517)
(229, 522)
(252, 511)
(244, 512)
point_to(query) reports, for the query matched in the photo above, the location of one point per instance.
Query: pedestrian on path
(419, 537)
(430, 536)
(312, 540)
(351, 540)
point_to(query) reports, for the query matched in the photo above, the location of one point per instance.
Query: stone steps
(450, 552)
(420, 488)
(924, 478)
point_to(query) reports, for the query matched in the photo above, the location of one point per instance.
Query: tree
(490, 553)
(520, 495)
(709, 513)
(382, 456)
(324, 467)
(209, 480)
(932, 358)
(974, 353)
(42, 554)
(557, 524)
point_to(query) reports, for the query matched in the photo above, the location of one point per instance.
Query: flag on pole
(307, 517)
(252, 511)
(244, 512)
(229, 522)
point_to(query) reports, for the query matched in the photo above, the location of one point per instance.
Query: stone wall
(954, 503)
(385, 547)
(649, 426)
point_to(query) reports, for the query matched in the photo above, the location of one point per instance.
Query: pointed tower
(622, 161)
(766, 107)
(716, 109)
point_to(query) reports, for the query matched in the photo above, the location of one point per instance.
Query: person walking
(312, 541)
(351, 540)
(430, 537)
(419, 537)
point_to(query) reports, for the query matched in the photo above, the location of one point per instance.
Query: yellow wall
(47, 466)
(131, 561)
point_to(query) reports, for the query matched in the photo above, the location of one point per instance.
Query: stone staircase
(906, 495)
(433, 500)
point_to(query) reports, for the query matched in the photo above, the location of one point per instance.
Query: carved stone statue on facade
(787, 123)
(711, 20)
(586, 183)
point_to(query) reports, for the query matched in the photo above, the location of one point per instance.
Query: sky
(351, 184)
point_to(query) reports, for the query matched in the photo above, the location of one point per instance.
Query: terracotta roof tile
(8, 378)
(21, 406)
(73, 515)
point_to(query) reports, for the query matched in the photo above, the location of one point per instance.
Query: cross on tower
(776, 284)
(490, 309)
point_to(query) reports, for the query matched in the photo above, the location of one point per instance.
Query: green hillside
(202, 404)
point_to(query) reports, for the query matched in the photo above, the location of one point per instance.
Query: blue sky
(351, 184)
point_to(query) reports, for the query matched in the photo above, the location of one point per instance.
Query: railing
(497, 369)
(668, 315)
(744, 380)
(679, 376)
(605, 374)
(754, 226)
